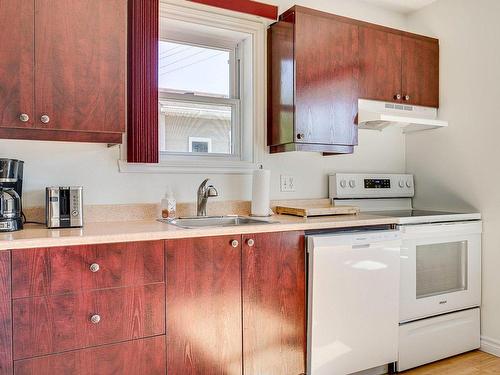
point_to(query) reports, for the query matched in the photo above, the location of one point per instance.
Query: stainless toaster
(64, 207)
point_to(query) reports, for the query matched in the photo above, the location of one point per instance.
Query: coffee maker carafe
(11, 186)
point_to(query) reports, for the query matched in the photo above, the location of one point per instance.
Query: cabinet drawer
(138, 357)
(57, 270)
(52, 324)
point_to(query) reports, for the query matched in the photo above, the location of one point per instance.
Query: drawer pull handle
(94, 267)
(95, 318)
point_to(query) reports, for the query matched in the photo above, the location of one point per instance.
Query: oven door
(440, 268)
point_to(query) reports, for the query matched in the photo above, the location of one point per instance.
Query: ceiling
(401, 6)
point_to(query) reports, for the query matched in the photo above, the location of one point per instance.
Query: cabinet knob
(94, 319)
(300, 136)
(397, 97)
(234, 243)
(94, 267)
(45, 119)
(250, 242)
(407, 97)
(24, 117)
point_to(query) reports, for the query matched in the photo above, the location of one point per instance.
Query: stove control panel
(371, 185)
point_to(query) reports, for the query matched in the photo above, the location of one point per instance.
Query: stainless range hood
(377, 115)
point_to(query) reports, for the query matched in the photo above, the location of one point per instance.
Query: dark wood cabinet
(138, 357)
(380, 65)
(236, 307)
(204, 332)
(5, 314)
(217, 305)
(89, 309)
(274, 303)
(320, 64)
(326, 80)
(17, 48)
(63, 65)
(420, 71)
(58, 270)
(313, 93)
(45, 325)
(399, 67)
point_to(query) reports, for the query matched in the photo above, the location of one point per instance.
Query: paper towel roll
(261, 184)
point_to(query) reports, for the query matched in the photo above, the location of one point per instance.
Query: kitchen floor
(472, 363)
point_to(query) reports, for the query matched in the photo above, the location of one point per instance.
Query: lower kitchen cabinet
(230, 305)
(204, 332)
(138, 357)
(5, 315)
(274, 304)
(53, 324)
(236, 304)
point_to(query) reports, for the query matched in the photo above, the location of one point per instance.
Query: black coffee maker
(11, 189)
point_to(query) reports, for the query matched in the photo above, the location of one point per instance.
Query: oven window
(441, 268)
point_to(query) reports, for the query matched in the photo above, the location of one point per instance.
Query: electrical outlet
(287, 183)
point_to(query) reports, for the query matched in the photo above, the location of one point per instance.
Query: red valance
(244, 6)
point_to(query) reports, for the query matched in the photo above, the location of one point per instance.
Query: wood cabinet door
(280, 98)
(80, 65)
(327, 75)
(380, 65)
(58, 270)
(5, 314)
(137, 357)
(16, 63)
(421, 71)
(204, 332)
(274, 303)
(46, 325)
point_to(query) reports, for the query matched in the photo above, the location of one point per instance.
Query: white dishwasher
(353, 301)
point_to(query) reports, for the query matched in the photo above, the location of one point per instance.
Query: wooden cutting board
(314, 207)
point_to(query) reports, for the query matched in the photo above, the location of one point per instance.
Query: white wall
(458, 167)
(95, 166)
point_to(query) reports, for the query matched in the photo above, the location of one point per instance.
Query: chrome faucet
(204, 192)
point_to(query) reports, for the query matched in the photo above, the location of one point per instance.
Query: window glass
(196, 127)
(200, 70)
(441, 268)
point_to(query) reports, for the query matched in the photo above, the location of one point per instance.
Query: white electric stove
(440, 266)
(387, 195)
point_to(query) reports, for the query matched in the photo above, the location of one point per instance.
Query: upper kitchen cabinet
(398, 67)
(320, 64)
(420, 78)
(63, 70)
(16, 63)
(313, 82)
(380, 63)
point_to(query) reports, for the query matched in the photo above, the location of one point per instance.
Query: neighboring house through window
(211, 88)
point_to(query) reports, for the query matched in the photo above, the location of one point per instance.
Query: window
(199, 94)
(211, 90)
(205, 114)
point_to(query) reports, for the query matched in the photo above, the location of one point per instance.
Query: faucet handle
(212, 191)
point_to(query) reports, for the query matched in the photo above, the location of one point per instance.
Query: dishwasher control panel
(371, 185)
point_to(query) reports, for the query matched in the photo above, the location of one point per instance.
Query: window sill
(199, 167)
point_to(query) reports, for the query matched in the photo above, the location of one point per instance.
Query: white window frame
(253, 113)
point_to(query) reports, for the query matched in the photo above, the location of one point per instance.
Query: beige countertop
(107, 232)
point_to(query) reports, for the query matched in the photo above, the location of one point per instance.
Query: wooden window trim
(244, 6)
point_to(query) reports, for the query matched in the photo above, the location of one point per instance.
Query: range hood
(377, 115)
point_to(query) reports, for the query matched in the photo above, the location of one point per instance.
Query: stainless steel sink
(214, 221)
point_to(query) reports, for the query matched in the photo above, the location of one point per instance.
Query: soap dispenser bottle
(168, 205)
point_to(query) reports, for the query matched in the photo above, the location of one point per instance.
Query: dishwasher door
(353, 301)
